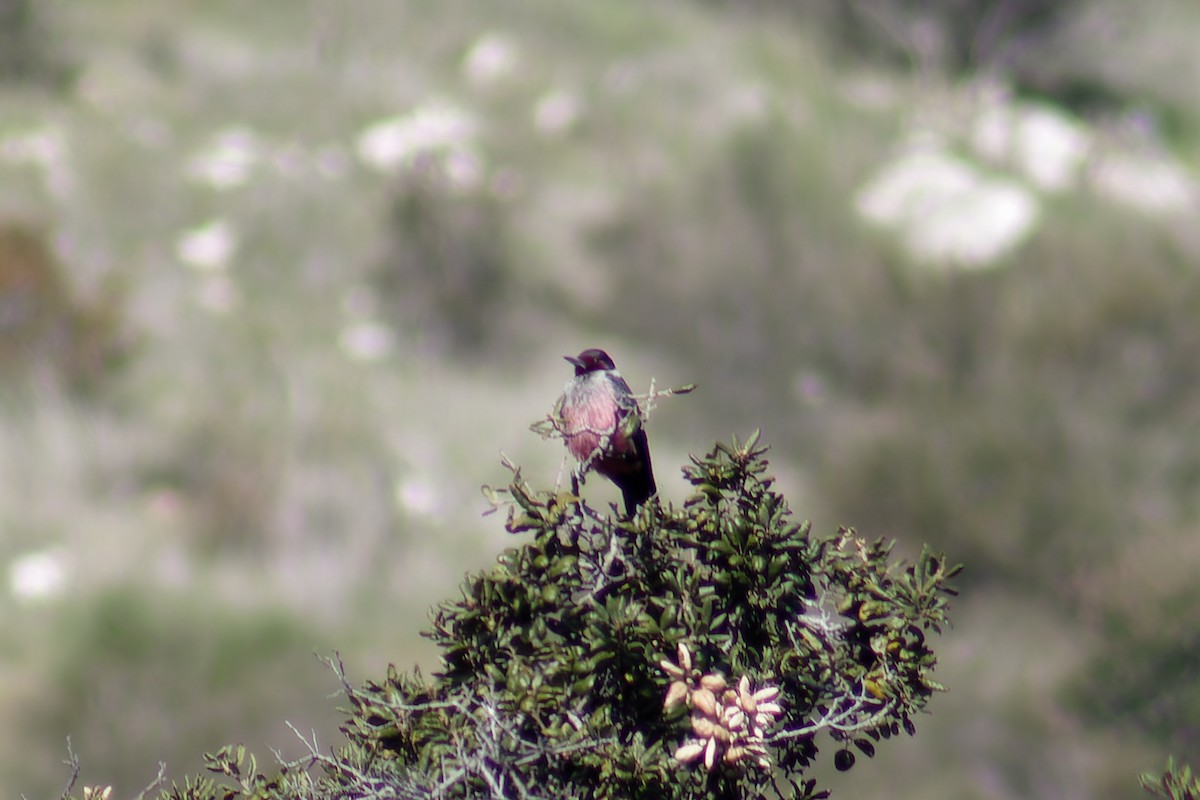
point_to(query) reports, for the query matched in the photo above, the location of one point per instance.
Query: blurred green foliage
(1035, 420)
(1175, 783)
(444, 271)
(131, 682)
(29, 50)
(1089, 56)
(45, 324)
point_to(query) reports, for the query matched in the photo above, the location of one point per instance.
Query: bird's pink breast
(589, 418)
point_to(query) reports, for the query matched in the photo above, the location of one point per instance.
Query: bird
(602, 426)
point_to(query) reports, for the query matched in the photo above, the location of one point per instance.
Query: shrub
(687, 652)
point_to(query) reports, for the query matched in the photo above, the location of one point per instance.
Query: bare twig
(314, 754)
(648, 400)
(847, 720)
(158, 781)
(73, 762)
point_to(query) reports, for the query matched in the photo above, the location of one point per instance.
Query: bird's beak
(574, 361)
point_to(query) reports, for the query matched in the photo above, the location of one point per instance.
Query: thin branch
(73, 762)
(841, 720)
(158, 781)
(314, 753)
(648, 400)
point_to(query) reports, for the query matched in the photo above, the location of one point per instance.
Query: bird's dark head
(591, 360)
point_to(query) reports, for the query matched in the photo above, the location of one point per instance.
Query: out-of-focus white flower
(946, 210)
(556, 112)
(208, 247)
(978, 227)
(38, 576)
(490, 59)
(228, 159)
(1046, 145)
(992, 131)
(912, 185)
(366, 340)
(43, 147)
(417, 496)
(47, 149)
(1051, 147)
(1151, 183)
(433, 127)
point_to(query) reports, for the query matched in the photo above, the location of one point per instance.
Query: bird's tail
(637, 486)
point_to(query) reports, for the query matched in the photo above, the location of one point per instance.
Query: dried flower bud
(676, 694)
(743, 685)
(770, 709)
(766, 693)
(729, 722)
(706, 701)
(669, 668)
(703, 727)
(689, 752)
(685, 658)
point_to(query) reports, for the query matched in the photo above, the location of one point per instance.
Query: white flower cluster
(728, 722)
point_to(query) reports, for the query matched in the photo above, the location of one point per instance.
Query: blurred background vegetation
(279, 280)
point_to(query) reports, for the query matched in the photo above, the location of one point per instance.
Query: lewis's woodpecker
(600, 421)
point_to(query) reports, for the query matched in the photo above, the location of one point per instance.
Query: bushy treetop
(692, 651)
